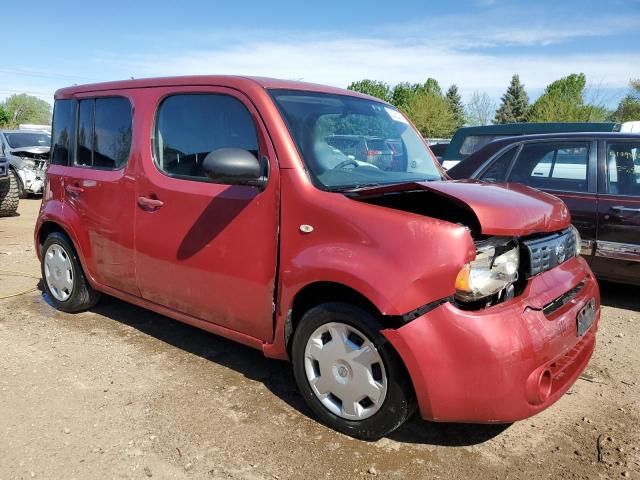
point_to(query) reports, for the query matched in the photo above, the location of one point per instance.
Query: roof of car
(534, 128)
(202, 80)
(469, 165)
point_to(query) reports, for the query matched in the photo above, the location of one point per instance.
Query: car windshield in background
(23, 140)
(349, 142)
(473, 143)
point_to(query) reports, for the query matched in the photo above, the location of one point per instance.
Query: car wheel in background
(9, 197)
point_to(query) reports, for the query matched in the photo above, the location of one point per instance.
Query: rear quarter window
(62, 132)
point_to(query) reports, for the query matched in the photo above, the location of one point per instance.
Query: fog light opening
(544, 385)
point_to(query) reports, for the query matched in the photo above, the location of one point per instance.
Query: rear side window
(85, 133)
(104, 132)
(554, 166)
(623, 168)
(112, 137)
(190, 126)
(62, 132)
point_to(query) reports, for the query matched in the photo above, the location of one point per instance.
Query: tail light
(373, 153)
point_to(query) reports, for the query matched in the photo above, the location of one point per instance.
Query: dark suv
(596, 174)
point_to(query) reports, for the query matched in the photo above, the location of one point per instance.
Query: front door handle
(74, 189)
(620, 208)
(150, 203)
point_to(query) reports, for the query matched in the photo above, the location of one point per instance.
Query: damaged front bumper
(32, 179)
(506, 362)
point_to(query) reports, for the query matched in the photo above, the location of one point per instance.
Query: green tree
(432, 86)
(629, 107)
(515, 103)
(455, 105)
(4, 116)
(374, 88)
(25, 108)
(431, 114)
(403, 93)
(563, 101)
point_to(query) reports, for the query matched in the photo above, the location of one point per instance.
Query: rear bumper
(491, 365)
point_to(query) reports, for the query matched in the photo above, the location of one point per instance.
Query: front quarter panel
(399, 261)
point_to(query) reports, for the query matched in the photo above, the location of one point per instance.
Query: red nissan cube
(245, 207)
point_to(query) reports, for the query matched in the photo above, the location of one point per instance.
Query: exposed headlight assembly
(494, 269)
(28, 163)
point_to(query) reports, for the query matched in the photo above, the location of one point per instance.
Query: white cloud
(341, 61)
(477, 52)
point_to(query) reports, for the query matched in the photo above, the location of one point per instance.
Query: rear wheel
(64, 280)
(348, 374)
(9, 196)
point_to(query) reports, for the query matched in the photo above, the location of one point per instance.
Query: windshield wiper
(349, 188)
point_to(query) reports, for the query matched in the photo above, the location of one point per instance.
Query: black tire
(399, 403)
(9, 197)
(83, 296)
(22, 193)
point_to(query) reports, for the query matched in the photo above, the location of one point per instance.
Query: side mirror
(235, 166)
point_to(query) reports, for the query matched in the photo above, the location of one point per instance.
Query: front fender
(396, 259)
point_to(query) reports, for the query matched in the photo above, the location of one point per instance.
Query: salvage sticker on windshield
(396, 115)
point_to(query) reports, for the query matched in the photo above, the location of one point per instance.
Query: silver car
(27, 152)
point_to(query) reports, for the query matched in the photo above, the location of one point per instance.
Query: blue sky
(477, 44)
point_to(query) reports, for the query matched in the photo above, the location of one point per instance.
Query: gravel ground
(119, 392)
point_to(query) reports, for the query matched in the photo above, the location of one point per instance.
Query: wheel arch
(49, 226)
(319, 292)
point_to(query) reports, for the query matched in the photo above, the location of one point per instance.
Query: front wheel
(22, 193)
(348, 373)
(64, 280)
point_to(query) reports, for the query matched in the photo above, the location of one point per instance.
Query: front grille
(548, 252)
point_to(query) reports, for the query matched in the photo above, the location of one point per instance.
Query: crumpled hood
(30, 151)
(506, 209)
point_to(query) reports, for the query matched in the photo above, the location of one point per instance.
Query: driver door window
(190, 126)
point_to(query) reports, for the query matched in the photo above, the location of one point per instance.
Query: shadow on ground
(275, 375)
(620, 296)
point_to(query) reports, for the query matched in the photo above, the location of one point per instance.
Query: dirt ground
(119, 392)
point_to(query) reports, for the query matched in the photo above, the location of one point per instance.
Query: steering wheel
(347, 162)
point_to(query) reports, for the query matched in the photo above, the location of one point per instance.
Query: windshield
(23, 140)
(348, 142)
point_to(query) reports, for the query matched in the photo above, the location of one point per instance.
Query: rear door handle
(150, 203)
(620, 208)
(74, 189)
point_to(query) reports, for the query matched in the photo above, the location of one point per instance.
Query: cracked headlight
(494, 269)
